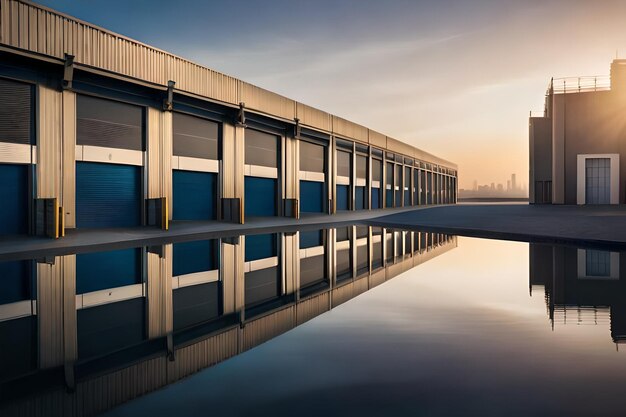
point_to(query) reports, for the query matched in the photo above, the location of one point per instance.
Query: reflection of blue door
(102, 270)
(16, 283)
(343, 192)
(311, 197)
(196, 256)
(110, 327)
(108, 195)
(260, 196)
(195, 195)
(14, 192)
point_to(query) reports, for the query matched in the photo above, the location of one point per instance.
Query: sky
(456, 78)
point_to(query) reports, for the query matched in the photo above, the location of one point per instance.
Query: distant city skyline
(512, 188)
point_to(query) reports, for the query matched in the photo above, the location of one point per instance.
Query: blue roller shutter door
(261, 193)
(375, 198)
(312, 193)
(344, 169)
(14, 192)
(194, 192)
(343, 197)
(194, 195)
(107, 195)
(311, 197)
(260, 196)
(359, 198)
(407, 187)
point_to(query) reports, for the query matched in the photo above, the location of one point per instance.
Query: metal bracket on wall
(297, 129)
(241, 115)
(68, 71)
(168, 102)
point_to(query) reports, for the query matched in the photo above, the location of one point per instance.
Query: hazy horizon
(453, 78)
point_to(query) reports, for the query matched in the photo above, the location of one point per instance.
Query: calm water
(480, 330)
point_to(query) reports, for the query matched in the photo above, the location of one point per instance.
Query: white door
(597, 181)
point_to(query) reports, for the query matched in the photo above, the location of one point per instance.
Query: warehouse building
(577, 143)
(100, 131)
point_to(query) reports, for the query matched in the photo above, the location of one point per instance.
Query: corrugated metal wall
(348, 129)
(159, 151)
(56, 311)
(49, 141)
(197, 356)
(291, 262)
(265, 101)
(233, 150)
(267, 327)
(312, 307)
(232, 274)
(313, 117)
(160, 313)
(69, 159)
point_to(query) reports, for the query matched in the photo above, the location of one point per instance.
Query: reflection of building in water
(82, 333)
(582, 286)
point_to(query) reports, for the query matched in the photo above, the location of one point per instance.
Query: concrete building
(98, 130)
(576, 146)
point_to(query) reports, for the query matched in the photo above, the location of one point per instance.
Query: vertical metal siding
(342, 294)
(159, 152)
(292, 168)
(313, 117)
(69, 158)
(291, 262)
(349, 129)
(232, 275)
(160, 316)
(267, 327)
(68, 264)
(233, 150)
(312, 307)
(205, 353)
(49, 140)
(265, 101)
(50, 314)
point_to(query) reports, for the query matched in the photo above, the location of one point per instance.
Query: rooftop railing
(579, 84)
